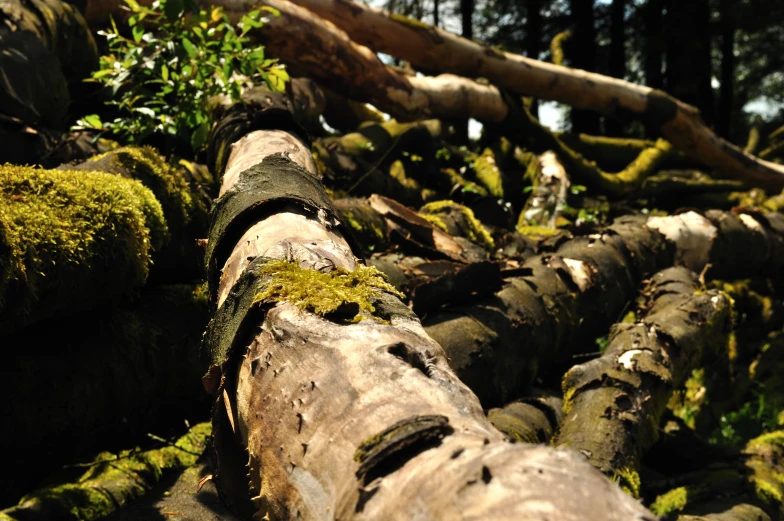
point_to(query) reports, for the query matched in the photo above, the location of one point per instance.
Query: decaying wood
(614, 403)
(433, 49)
(354, 421)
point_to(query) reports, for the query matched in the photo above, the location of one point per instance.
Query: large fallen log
(433, 49)
(346, 408)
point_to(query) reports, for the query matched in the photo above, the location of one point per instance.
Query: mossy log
(530, 420)
(110, 482)
(565, 299)
(624, 182)
(746, 487)
(99, 381)
(388, 158)
(348, 440)
(613, 154)
(48, 49)
(434, 49)
(69, 240)
(614, 404)
(184, 199)
(345, 115)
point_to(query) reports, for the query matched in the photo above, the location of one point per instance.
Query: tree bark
(367, 413)
(614, 404)
(434, 49)
(553, 308)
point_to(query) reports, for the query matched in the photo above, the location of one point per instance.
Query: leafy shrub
(176, 60)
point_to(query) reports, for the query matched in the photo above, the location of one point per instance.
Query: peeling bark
(614, 404)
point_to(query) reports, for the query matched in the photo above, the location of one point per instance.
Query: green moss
(147, 166)
(475, 230)
(556, 47)
(673, 501)
(324, 293)
(629, 481)
(398, 171)
(409, 22)
(58, 223)
(111, 482)
(536, 231)
(434, 220)
(456, 179)
(488, 173)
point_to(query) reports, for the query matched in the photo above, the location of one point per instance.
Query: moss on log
(111, 482)
(101, 380)
(614, 404)
(183, 194)
(70, 240)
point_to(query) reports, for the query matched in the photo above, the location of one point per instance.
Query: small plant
(175, 61)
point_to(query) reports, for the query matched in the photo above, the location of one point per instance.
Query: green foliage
(177, 59)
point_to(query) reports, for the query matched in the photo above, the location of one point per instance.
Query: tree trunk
(467, 8)
(617, 62)
(653, 45)
(533, 38)
(689, 62)
(366, 412)
(726, 92)
(434, 49)
(582, 55)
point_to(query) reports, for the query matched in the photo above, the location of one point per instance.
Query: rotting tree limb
(614, 403)
(366, 413)
(434, 49)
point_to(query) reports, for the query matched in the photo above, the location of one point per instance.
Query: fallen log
(69, 240)
(100, 381)
(305, 335)
(614, 404)
(433, 49)
(110, 482)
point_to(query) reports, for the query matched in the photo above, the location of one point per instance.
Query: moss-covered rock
(70, 240)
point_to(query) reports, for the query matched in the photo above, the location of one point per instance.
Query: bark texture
(433, 49)
(614, 404)
(365, 413)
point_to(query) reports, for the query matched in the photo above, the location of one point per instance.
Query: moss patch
(629, 481)
(474, 229)
(111, 482)
(325, 293)
(488, 173)
(673, 501)
(58, 225)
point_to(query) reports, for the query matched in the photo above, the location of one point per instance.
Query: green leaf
(92, 121)
(200, 135)
(137, 31)
(275, 12)
(189, 47)
(277, 79)
(164, 72)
